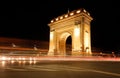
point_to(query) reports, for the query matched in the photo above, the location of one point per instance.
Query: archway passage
(69, 46)
(74, 25)
(62, 43)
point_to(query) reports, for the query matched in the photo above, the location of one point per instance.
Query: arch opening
(64, 45)
(69, 45)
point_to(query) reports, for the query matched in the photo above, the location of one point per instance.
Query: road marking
(65, 67)
(59, 68)
(15, 69)
(103, 72)
(43, 69)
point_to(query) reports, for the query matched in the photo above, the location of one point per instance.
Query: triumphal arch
(75, 24)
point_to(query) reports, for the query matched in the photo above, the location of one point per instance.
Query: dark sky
(28, 20)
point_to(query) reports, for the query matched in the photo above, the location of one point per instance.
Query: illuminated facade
(75, 24)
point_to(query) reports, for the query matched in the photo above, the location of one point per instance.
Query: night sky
(30, 20)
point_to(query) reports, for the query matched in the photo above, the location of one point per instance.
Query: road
(59, 69)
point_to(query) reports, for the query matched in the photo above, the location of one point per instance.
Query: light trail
(58, 58)
(78, 59)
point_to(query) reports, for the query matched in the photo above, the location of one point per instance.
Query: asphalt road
(59, 69)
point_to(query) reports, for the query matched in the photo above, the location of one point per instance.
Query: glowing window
(61, 17)
(52, 21)
(78, 11)
(88, 14)
(84, 10)
(71, 13)
(66, 16)
(56, 19)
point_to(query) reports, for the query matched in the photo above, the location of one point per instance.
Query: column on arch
(52, 43)
(76, 39)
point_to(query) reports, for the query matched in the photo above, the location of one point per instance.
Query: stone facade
(75, 24)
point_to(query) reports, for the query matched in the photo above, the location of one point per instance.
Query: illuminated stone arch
(75, 24)
(62, 43)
